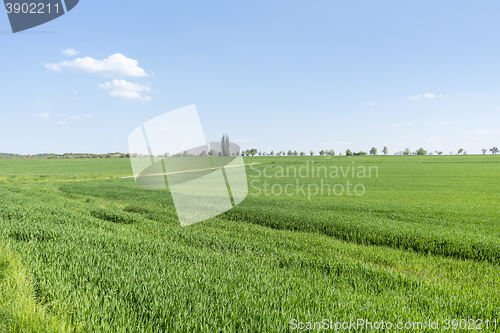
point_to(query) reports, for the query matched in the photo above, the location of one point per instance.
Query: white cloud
(498, 108)
(126, 90)
(429, 95)
(116, 65)
(442, 122)
(74, 92)
(76, 117)
(53, 66)
(409, 124)
(369, 103)
(70, 52)
(424, 123)
(87, 116)
(39, 100)
(41, 115)
(394, 125)
(62, 122)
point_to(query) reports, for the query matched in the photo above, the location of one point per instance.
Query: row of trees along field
(348, 152)
(225, 151)
(422, 151)
(65, 155)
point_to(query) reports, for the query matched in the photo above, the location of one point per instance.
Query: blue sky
(272, 74)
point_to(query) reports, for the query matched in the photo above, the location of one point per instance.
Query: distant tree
(331, 152)
(224, 145)
(290, 153)
(460, 151)
(439, 152)
(360, 153)
(253, 151)
(271, 153)
(373, 151)
(348, 152)
(494, 150)
(385, 151)
(322, 152)
(484, 150)
(295, 153)
(407, 151)
(302, 153)
(203, 154)
(421, 151)
(312, 152)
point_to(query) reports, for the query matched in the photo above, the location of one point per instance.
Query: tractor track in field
(186, 171)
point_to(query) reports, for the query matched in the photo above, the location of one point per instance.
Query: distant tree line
(65, 155)
(225, 151)
(348, 152)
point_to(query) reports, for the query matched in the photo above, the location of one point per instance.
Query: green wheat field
(84, 250)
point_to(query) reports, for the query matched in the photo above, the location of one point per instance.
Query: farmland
(85, 250)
